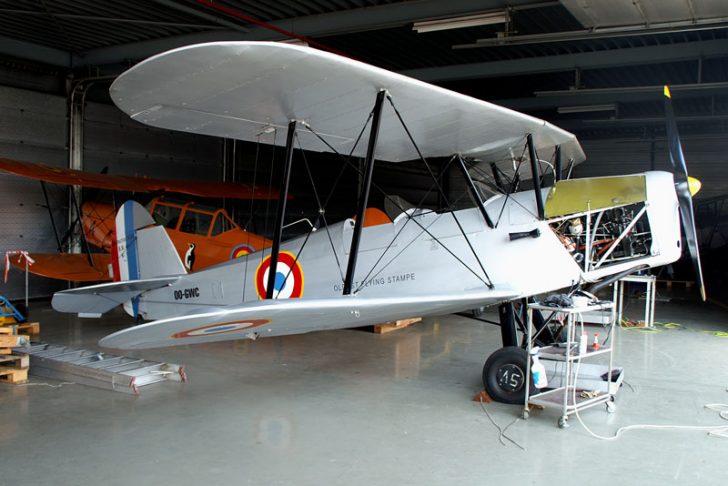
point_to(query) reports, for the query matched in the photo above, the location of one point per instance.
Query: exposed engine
(606, 237)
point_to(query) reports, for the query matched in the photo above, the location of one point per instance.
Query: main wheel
(504, 375)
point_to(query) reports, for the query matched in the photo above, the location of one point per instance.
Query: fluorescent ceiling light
(586, 108)
(490, 18)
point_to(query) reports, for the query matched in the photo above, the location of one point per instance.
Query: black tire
(504, 375)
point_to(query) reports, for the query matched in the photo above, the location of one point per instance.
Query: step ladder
(99, 369)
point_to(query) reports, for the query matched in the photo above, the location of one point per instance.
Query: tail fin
(142, 249)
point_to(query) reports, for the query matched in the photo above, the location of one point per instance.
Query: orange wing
(67, 266)
(57, 175)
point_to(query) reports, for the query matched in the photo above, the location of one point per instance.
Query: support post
(364, 196)
(557, 164)
(84, 241)
(281, 213)
(474, 192)
(536, 176)
(75, 158)
(50, 215)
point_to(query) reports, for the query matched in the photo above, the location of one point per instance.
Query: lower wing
(69, 266)
(294, 316)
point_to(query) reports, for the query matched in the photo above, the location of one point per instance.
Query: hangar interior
(350, 406)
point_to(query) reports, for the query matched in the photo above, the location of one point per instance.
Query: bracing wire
(396, 204)
(439, 188)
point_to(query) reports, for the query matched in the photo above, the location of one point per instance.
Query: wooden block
(393, 326)
(14, 375)
(482, 396)
(6, 330)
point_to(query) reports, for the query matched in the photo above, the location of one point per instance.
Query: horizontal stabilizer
(97, 299)
(295, 316)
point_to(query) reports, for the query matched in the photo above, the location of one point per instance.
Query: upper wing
(57, 175)
(69, 266)
(294, 316)
(243, 90)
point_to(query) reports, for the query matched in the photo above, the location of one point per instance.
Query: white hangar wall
(33, 127)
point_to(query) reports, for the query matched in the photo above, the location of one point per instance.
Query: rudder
(142, 249)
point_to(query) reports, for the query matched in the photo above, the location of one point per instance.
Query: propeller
(685, 186)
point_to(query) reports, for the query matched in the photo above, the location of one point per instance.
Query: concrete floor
(351, 407)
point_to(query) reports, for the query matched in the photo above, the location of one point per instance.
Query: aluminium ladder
(99, 369)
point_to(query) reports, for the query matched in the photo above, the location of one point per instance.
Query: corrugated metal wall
(33, 127)
(705, 157)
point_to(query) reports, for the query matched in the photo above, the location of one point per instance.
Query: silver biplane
(510, 247)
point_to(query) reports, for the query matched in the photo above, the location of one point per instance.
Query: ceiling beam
(713, 123)
(345, 21)
(201, 15)
(567, 62)
(548, 100)
(34, 52)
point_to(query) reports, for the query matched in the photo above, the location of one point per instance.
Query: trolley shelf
(555, 398)
(559, 354)
(567, 390)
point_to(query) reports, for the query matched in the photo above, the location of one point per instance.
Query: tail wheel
(504, 375)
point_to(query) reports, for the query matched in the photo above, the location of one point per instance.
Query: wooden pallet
(32, 328)
(9, 340)
(16, 360)
(13, 375)
(14, 365)
(14, 368)
(393, 326)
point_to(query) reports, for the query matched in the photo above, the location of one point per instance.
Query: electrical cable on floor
(629, 385)
(714, 431)
(502, 431)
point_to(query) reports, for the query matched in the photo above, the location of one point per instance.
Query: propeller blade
(682, 187)
(677, 159)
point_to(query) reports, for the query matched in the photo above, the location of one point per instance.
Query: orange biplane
(202, 235)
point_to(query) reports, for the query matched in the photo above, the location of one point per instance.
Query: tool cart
(574, 383)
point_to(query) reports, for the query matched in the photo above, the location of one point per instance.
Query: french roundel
(288, 281)
(241, 250)
(213, 329)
